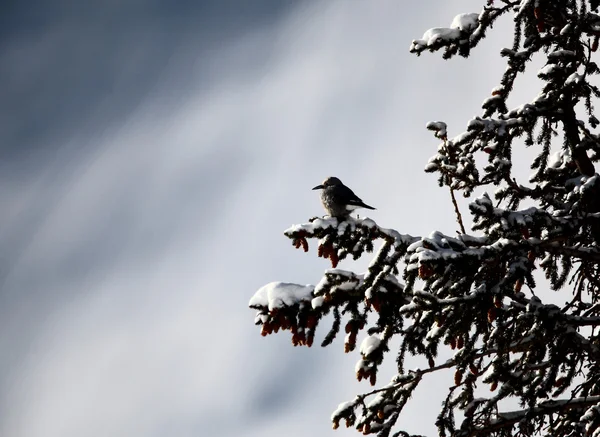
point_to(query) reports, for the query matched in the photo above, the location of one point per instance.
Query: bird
(337, 199)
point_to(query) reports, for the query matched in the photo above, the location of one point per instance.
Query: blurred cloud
(152, 154)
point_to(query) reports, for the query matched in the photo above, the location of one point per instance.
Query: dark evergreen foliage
(476, 293)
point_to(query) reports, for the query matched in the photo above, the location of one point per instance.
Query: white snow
(342, 228)
(341, 409)
(324, 282)
(560, 54)
(588, 183)
(547, 260)
(431, 36)
(591, 413)
(339, 272)
(558, 159)
(524, 7)
(399, 239)
(495, 125)
(465, 22)
(439, 127)
(488, 373)
(320, 223)
(409, 306)
(360, 364)
(490, 101)
(433, 332)
(260, 318)
(566, 29)
(317, 302)
(524, 109)
(376, 401)
(574, 79)
(280, 295)
(369, 345)
(548, 69)
(347, 286)
(368, 223)
(461, 26)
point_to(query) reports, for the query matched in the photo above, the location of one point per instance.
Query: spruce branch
(509, 418)
(571, 127)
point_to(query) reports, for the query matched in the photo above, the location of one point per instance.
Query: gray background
(152, 153)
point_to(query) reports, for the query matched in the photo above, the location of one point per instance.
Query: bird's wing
(349, 196)
(352, 199)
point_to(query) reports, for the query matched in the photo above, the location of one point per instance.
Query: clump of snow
(343, 226)
(591, 414)
(280, 295)
(369, 345)
(588, 183)
(497, 125)
(558, 159)
(368, 223)
(548, 70)
(341, 409)
(376, 401)
(360, 365)
(317, 302)
(574, 79)
(431, 36)
(260, 318)
(339, 272)
(399, 239)
(462, 25)
(323, 283)
(521, 110)
(559, 55)
(439, 127)
(320, 223)
(491, 370)
(350, 281)
(433, 332)
(465, 22)
(567, 29)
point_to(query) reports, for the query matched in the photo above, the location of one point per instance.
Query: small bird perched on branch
(339, 200)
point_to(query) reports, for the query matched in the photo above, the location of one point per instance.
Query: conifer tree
(522, 366)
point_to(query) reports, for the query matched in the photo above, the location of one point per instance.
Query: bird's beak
(319, 187)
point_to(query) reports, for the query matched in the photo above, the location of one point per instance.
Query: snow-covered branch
(508, 419)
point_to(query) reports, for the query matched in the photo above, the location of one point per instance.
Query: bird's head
(331, 181)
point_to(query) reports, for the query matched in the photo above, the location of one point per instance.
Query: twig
(458, 215)
(456, 210)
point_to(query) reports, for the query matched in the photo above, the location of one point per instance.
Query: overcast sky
(152, 153)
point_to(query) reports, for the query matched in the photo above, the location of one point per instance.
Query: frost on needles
(521, 366)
